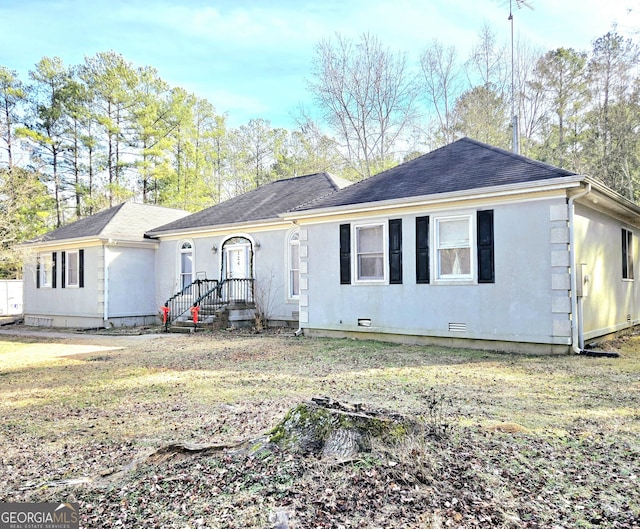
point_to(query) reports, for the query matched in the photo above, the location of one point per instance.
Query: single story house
(96, 272)
(467, 245)
(470, 245)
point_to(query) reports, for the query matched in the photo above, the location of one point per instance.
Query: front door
(237, 257)
(237, 271)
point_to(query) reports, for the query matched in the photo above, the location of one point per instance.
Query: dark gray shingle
(462, 165)
(263, 203)
(127, 221)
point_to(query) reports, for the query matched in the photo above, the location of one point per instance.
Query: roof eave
(79, 241)
(564, 182)
(271, 222)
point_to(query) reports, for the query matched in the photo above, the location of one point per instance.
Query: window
(627, 254)
(453, 239)
(72, 269)
(186, 265)
(370, 252)
(294, 265)
(46, 271)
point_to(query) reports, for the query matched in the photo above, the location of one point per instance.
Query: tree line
(77, 139)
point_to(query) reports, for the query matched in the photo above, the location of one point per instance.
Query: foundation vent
(628, 318)
(457, 327)
(364, 322)
(295, 314)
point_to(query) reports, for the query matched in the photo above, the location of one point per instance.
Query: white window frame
(46, 270)
(68, 262)
(181, 251)
(356, 254)
(436, 262)
(293, 241)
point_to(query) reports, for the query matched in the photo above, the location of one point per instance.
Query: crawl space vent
(457, 327)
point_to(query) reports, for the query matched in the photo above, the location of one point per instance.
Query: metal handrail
(211, 295)
(181, 302)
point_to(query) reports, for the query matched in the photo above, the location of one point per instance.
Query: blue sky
(251, 58)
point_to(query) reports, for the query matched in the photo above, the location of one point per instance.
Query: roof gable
(266, 202)
(462, 165)
(127, 221)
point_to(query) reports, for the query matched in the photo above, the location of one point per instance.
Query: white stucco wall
(70, 306)
(611, 303)
(130, 280)
(519, 307)
(129, 299)
(269, 266)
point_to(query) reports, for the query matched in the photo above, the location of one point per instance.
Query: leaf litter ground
(531, 442)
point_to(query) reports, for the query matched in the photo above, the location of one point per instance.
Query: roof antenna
(514, 115)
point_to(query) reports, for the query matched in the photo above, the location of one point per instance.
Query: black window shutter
(395, 251)
(625, 260)
(63, 272)
(486, 265)
(81, 268)
(345, 254)
(54, 269)
(422, 250)
(38, 272)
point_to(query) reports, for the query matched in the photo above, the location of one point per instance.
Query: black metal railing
(180, 303)
(237, 291)
(209, 295)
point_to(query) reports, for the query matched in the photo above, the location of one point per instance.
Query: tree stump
(327, 428)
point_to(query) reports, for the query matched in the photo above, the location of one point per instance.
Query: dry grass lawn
(532, 442)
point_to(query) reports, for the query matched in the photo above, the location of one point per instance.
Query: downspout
(576, 305)
(106, 286)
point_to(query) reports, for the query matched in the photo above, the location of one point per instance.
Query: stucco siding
(521, 305)
(270, 252)
(610, 304)
(69, 306)
(130, 281)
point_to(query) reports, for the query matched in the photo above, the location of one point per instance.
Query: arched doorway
(237, 270)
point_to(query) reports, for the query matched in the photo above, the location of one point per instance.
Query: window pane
(370, 239)
(295, 283)
(72, 269)
(46, 267)
(455, 262)
(453, 233)
(295, 256)
(370, 267)
(370, 252)
(187, 263)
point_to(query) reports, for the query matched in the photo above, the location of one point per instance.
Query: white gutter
(577, 337)
(106, 285)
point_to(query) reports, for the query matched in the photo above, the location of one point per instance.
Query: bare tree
(442, 81)
(488, 64)
(367, 97)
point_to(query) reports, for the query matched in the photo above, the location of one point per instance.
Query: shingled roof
(462, 165)
(264, 203)
(126, 221)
